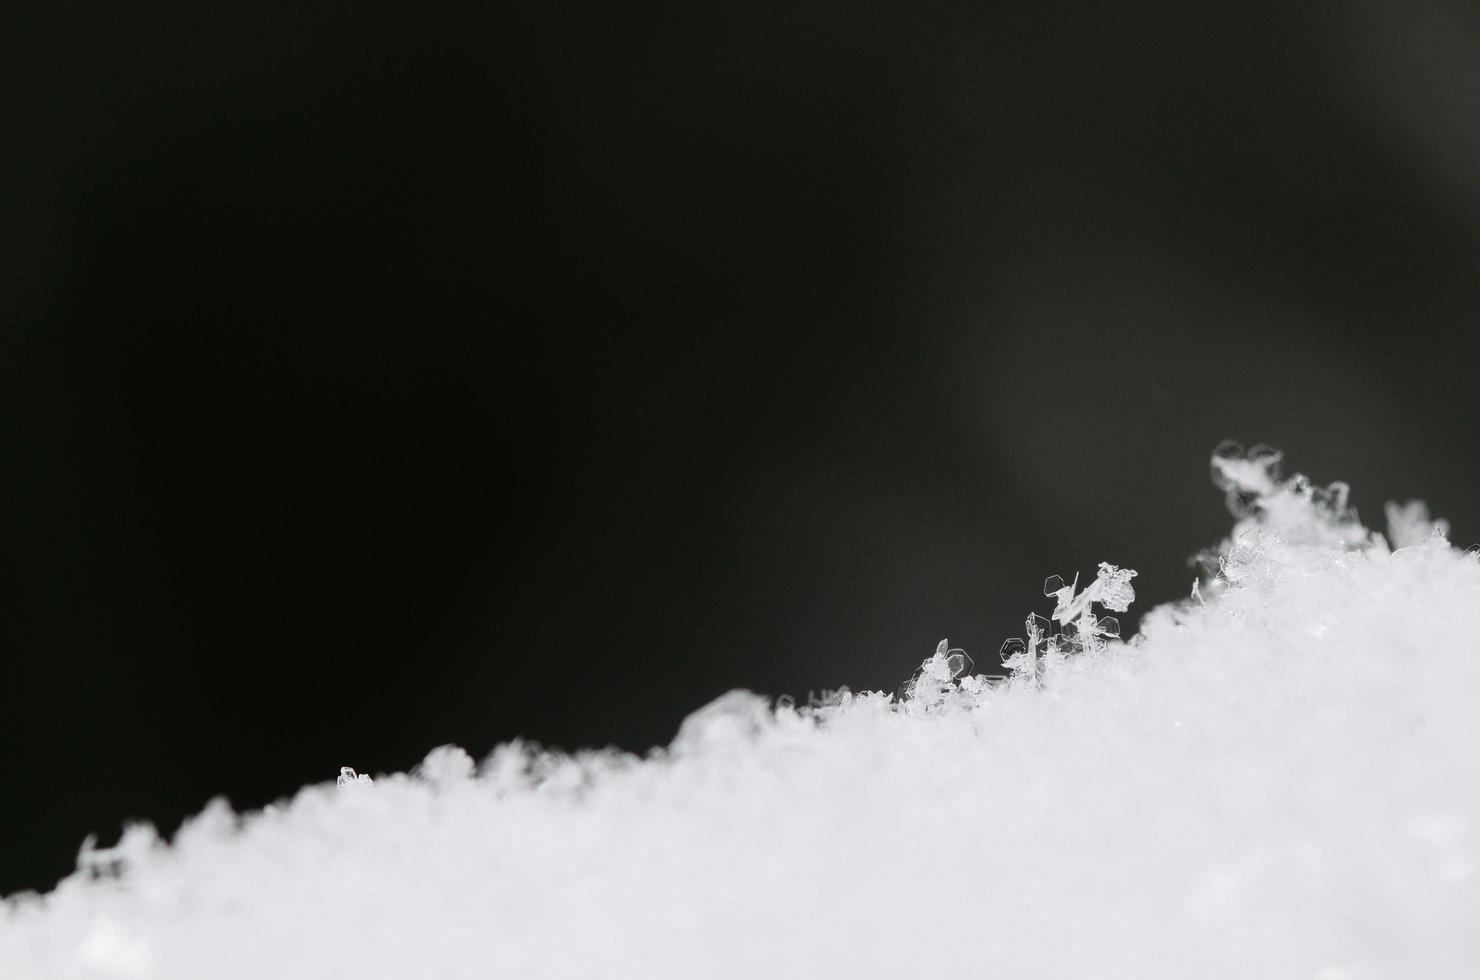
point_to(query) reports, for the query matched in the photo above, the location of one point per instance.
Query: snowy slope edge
(1277, 778)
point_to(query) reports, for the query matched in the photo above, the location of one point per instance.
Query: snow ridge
(1276, 778)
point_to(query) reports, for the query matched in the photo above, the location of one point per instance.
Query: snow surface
(1277, 778)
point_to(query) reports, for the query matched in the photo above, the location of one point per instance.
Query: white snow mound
(1277, 778)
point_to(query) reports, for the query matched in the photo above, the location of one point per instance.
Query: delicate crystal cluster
(1075, 628)
(1410, 524)
(348, 777)
(1276, 514)
(1295, 509)
(943, 674)
(1271, 511)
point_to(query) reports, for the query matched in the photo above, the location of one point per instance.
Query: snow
(1277, 778)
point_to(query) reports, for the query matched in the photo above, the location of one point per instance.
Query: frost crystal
(1080, 629)
(1410, 524)
(348, 777)
(1247, 478)
(729, 719)
(933, 681)
(1294, 510)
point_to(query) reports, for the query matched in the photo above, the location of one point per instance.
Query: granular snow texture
(1275, 779)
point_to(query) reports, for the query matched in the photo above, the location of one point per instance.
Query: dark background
(381, 376)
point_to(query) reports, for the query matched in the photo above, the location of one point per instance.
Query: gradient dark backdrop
(381, 376)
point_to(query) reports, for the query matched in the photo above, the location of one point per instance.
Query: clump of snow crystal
(936, 679)
(348, 777)
(1277, 778)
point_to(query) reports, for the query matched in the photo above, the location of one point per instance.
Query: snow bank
(1277, 778)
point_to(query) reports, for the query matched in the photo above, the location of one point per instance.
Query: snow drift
(1276, 778)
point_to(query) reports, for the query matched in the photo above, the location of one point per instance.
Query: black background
(376, 377)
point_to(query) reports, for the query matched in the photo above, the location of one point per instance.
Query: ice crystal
(1079, 629)
(934, 680)
(1296, 510)
(1410, 524)
(348, 777)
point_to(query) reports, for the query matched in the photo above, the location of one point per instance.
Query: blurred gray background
(382, 375)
